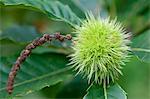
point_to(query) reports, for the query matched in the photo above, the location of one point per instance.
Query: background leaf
(9, 47)
(141, 46)
(136, 79)
(20, 33)
(134, 14)
(37, 72)
(74, 5)
(15, 38)
(113, 92)
(52, 9)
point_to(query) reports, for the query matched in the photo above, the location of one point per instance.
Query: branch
(27, 51)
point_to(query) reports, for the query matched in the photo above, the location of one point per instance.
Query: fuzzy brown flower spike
(27, 51)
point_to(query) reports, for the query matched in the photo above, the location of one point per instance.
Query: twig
(27, 51)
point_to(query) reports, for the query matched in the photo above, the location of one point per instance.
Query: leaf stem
(105, 91)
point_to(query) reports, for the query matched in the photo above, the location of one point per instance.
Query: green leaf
(53, 9)
(20, 33)
(15, 38)
(141, 46)
(9, 47)
(75, 89)
(136, 73)
(52, 48)
(113, 92)
(75, 6)
(135, 16)
(37, 72)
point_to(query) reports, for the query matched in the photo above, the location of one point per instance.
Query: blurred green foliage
(19, 25)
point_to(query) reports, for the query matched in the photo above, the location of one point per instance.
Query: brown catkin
(27, 51)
